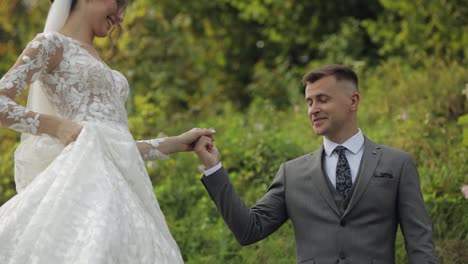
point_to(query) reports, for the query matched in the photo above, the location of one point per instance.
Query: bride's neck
(77, 29)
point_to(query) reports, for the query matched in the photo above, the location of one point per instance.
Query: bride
(84, 195)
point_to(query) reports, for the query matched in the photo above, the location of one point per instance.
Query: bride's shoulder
(49, 45)
(52, 39)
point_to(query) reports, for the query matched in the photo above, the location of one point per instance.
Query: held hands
(188, 139)
(207, 152)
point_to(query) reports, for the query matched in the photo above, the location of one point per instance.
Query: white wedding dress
(89, 202)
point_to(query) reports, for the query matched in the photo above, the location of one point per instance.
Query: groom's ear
(354, 102)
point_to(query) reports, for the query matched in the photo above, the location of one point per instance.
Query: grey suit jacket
(387, 193)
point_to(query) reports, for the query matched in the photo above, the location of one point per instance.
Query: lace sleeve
(37, 59)
(149, 149)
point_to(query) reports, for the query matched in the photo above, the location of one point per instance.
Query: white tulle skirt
(91, 202)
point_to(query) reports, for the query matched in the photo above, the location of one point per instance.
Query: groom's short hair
(340, 72)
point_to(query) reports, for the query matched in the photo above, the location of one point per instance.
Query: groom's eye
(323, 99)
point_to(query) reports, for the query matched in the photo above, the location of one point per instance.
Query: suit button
(342, 255)
(342, 222)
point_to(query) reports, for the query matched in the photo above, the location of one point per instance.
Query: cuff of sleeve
(213, 169)
(216, 183)
(154, 153)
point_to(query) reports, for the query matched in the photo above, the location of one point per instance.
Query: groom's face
(331, 107)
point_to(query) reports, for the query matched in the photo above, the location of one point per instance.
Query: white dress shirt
(213, 169)
(355, 149)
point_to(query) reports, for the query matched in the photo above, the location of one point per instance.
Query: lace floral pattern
(29, 67)
(23, 119)
(80, 86)
(153, 153)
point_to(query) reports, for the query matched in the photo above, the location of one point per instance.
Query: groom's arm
(248, 225)
(414, 218)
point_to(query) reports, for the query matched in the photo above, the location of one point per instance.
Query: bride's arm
(40, 56)
(159, 148)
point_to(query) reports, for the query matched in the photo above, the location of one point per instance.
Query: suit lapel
(318, 178)
(369, 161)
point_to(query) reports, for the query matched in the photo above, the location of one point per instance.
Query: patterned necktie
(343, 173)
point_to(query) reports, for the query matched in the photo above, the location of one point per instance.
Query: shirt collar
(353, 144)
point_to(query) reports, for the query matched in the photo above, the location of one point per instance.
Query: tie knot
(340, 150)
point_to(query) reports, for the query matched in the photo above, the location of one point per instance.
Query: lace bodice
(79, 86)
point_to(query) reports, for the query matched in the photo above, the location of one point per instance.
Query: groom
(345, 199)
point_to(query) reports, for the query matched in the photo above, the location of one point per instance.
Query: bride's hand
(68, 131)
(188, 139)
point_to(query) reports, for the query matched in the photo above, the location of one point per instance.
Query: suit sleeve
(414, 219)
(248, 225)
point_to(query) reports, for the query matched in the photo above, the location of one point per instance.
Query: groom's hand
(188, 139)
(207, 152)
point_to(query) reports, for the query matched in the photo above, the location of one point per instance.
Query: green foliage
(19, 23)
(416, 28)
(347, 45)
(236, 65)
(463, 120)
(7, 145)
